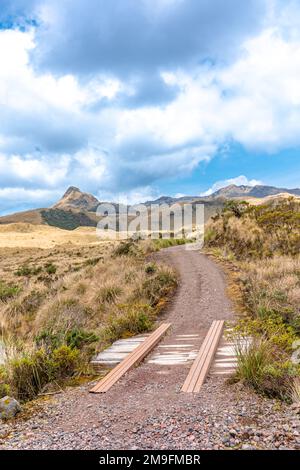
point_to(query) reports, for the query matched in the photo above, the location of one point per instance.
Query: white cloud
(60, 129)
(238, 181)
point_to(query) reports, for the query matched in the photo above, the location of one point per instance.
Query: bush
(23, 271)
(78, 338)
(150, 268)
(4, 390)
(126, 248)
(4, 387)
(75, 338)
(63, 362)
(50, 268)
(273, 329)
(257, 231)
(8, 291)
(28, 371)
(28, 271)
(130, 321)
(158, 286)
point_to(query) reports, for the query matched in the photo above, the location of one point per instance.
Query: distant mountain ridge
(230, 192)
(77, 208)
(259, 191)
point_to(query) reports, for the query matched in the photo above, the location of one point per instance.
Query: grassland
(24, 235)
(262, 244)
(61, 304)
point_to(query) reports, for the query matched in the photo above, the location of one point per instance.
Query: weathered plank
(201, 365)
(133, 359)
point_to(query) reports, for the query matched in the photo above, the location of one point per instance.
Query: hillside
(77, 208)
(24, 235)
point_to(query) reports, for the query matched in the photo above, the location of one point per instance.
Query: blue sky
(138, 98)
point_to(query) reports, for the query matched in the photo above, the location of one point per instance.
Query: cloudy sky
(141, 98)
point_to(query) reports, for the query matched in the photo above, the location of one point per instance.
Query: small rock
(9, 407)
(246, 447)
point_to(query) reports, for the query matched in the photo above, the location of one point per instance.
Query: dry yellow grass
(88, 288)
(66, 294)
(22, 235)
(255, 201)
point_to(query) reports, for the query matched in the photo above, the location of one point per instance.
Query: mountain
(76, 199)
(77, 208)
(74, 209)
(258, 191)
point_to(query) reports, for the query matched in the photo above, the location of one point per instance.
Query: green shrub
(23, 271)
(126, 248)
(63, 362)
(27, 374)
(158, 286)
(4, 390)
(274, 329)
(75, 338)
(50, 268)
(130, 321)
(8, 291)
(150, 268)
(28, 371)
(4, 387)
(257, 231)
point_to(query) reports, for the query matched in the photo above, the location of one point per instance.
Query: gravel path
(145, 409)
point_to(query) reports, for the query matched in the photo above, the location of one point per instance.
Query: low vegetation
(8, 291)
(52, 324)
(263, 244)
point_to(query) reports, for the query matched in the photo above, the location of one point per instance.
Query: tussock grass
(252, 359)
(28, 369)
(263, 243)
(295, 391)
(64, 321)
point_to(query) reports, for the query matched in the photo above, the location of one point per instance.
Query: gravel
(147, 410)
(222, 417)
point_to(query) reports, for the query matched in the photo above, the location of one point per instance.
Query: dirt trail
(146, 410)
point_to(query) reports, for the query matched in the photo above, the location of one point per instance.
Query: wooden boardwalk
(132, 359)
(202, 363)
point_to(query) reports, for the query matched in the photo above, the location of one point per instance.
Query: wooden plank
(210, 356)
(133, 359)
(201, 365)
(138, 354)
(191, 379)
